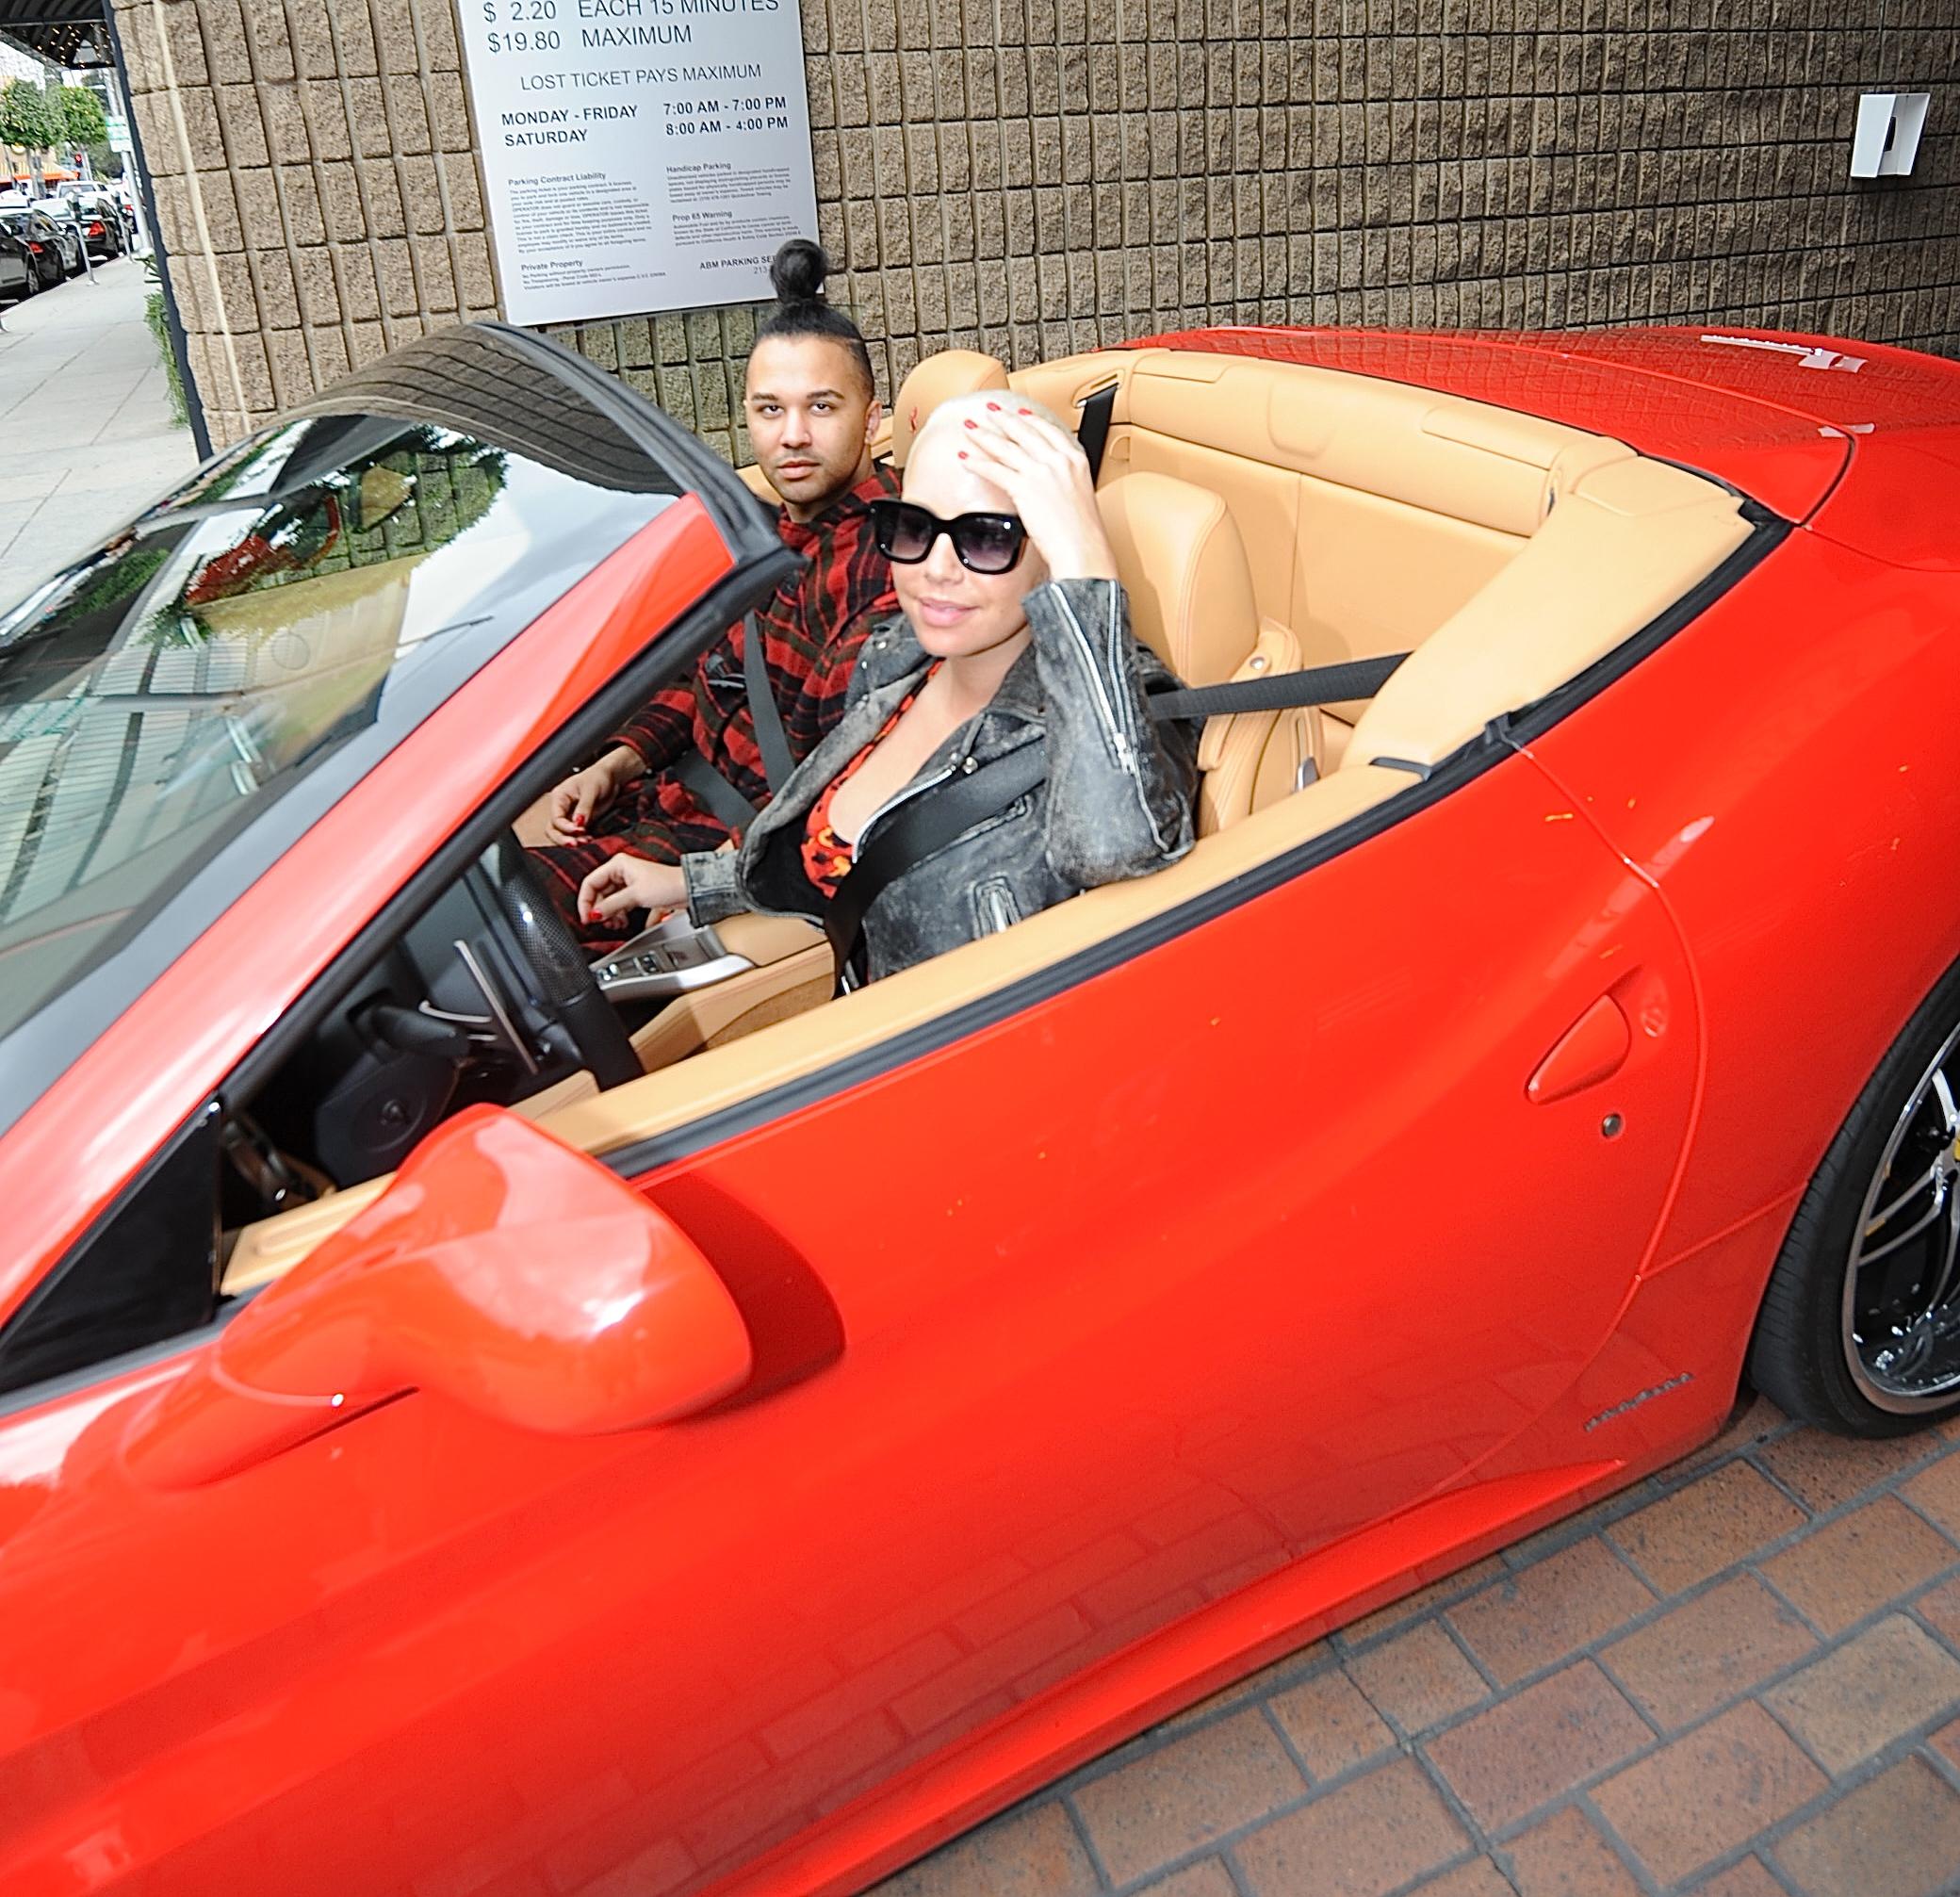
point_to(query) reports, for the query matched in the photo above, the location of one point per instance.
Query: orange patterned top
(827, 857)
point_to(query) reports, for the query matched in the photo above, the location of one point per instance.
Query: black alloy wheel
(1859, 1329)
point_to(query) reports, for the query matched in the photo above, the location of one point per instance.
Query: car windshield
(225, 667)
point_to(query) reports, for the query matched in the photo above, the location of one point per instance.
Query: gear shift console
(670, 958)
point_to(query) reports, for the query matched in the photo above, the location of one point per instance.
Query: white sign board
(119, 135)
(640, 154)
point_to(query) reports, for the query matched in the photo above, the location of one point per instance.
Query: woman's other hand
(586, 793)
(622, 884)
(1044, 473)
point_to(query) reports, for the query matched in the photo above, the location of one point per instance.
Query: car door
(1068, 1316)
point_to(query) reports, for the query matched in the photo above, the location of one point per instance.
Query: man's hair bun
(797, 272)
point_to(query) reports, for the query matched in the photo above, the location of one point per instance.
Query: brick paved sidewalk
(1737, 1679)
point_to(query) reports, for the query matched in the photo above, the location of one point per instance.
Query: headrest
(934, 380)
(1181, 559)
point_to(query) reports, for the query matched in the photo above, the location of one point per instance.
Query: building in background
(1033, 176)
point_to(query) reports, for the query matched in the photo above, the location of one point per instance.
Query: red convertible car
(472, 1422)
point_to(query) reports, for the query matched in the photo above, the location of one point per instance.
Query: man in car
(812, 408)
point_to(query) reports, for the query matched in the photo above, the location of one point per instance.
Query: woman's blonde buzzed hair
(957, 409)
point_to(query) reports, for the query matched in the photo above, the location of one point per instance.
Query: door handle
(1590, 1051)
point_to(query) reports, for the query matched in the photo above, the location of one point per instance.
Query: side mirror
(501, 1268)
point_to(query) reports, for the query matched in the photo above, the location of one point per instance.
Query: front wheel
(1859, 1329)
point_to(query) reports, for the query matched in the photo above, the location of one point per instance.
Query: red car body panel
(1113, 1347)
(1030, 1455)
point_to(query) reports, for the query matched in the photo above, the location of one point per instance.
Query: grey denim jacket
(1116, 801)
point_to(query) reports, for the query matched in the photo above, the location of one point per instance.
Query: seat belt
(1092, 430)
(933, 819)
(771, 739)
(929, 823)
(712, 791)
(1281, 692)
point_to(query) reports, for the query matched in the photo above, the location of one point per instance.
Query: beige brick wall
(1031, 176)
(316, 186)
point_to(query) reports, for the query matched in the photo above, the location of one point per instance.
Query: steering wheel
(561, 980)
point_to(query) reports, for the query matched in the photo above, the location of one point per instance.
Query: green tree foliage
(28, 117)
(81, 116)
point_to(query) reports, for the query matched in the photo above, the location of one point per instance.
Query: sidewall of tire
(1796, 1354)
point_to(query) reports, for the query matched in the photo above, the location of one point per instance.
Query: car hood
(1781, 416)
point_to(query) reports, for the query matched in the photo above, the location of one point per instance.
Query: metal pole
(193, 402)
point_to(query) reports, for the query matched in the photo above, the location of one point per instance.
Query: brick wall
(1033, 176)
(316, 182)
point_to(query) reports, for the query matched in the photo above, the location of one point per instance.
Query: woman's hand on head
(622, 884)
(1046, 476)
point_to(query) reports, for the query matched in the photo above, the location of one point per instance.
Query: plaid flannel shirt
(811, 628)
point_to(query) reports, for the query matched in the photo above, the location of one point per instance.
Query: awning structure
(54, 28)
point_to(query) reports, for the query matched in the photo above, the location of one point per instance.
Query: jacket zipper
(1118, 737)
(995, 897)
(906, 793)
(902, 795)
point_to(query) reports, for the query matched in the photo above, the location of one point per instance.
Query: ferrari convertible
(476, 1421)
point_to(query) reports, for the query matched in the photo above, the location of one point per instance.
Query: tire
(1835, 1343)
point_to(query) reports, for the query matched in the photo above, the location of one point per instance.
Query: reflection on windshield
(159, 695)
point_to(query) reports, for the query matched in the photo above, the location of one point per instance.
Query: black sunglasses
(985, 543)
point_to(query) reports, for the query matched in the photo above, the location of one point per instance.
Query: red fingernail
(971, 423)
(1027, 411)
(996, 407)
(962, 454)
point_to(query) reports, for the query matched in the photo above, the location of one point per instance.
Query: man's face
(811, 418)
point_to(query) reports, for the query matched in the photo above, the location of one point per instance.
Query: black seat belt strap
(1092, 430)
(929, 821)
(713, 792)
(771, 739)
(1281, 692)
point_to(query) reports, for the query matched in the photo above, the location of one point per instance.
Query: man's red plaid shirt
(811, 628)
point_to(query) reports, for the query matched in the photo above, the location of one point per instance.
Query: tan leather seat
(938, 378)
(1190, 586)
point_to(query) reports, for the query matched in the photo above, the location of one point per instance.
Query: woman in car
(1013, 632)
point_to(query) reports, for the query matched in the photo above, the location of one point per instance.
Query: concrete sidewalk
(85, 420)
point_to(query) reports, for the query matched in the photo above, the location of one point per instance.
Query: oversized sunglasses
(985, 543)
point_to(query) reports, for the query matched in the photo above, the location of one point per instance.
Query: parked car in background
(101, 220)
(119, 193)
(18, 278)
(52, 239)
